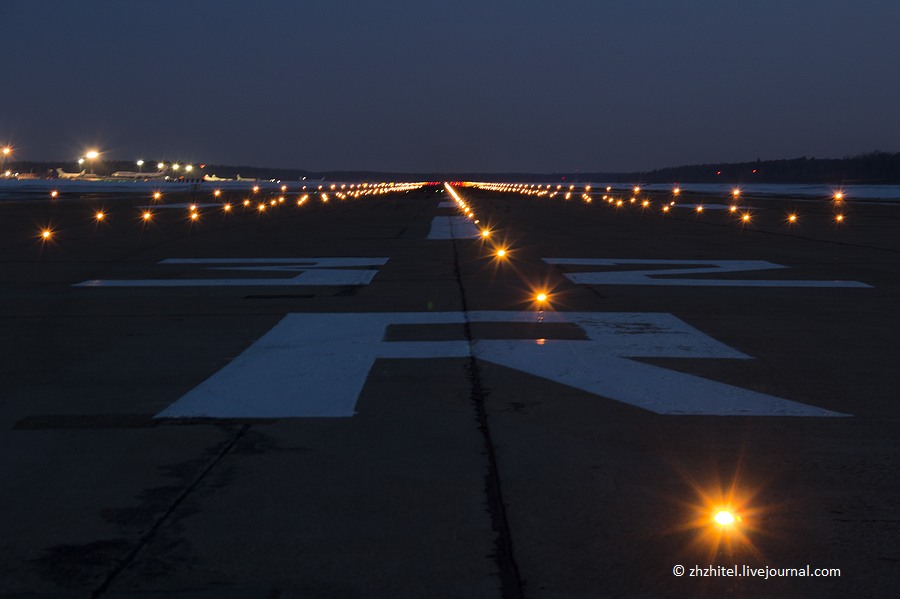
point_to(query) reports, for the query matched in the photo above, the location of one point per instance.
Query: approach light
(194, 215)
(792, 218)
(676, 191)
(227, 207)
(540, 298)
(838, 197)
(746, 218)
(700, 208)
(501, 253)
(732, 208)
(147, 215)
(46, 234)
(217, 192)
(485, 233)
(54, 193)
(157, 195)
(839, 218)
(637, 189)
(735, 192)
(100, 215)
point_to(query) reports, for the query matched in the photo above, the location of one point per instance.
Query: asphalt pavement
(359, 398)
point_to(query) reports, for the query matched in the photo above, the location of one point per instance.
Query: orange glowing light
(100, 215)
(54, 193)
(46, 234)
(792, 218)
(725, 518)
(157, 195)
(147, 215)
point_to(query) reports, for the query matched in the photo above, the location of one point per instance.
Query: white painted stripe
(447, 204)
(713, 206)
(182, 206)
(315, 365)
(309, 272)
(649, 277)
(309, 262)
(452, 227)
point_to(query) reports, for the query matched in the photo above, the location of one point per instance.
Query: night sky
(450, 86)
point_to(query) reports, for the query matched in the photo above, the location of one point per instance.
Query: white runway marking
(649, 277)
(452, 227)
(447, 204)
(183, 206)
(713, 206)
(310, 271)
(315, 365)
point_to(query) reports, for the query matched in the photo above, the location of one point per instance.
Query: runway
(359, 397)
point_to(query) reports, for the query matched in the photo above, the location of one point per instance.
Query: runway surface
(360, 398)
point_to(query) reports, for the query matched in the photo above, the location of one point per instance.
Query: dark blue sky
(428, 85)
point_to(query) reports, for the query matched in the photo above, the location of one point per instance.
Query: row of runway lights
(719, 520)
(345, 192)
(541, 297)
(546, 191)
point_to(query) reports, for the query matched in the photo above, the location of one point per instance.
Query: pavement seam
(510, 580)
(149, 534)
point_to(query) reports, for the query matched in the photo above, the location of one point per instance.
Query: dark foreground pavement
(465, 468)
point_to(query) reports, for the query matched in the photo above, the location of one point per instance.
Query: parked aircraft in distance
(215, 178)
(137, 175)
(64, 175)
(240, 178)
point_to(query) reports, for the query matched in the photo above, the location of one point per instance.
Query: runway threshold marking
(311, 271)
(452, 227)
(649, 277)
(315, 364)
